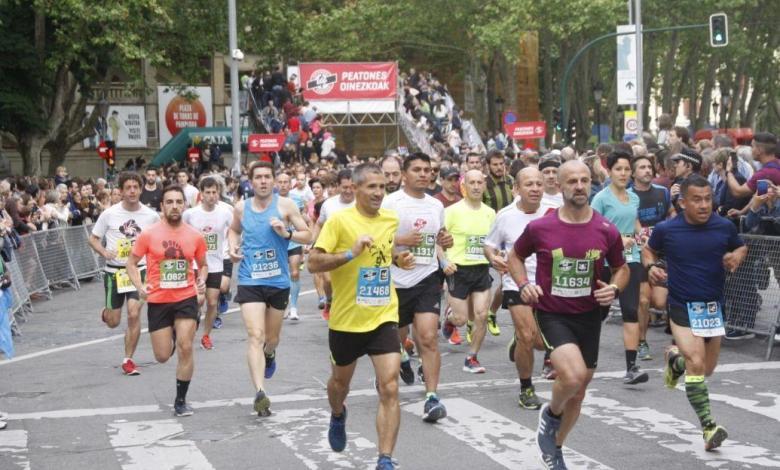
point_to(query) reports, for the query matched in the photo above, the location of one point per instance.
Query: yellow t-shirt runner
(469, 228)
(363, 293)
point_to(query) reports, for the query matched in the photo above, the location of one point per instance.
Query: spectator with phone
(726, 204)
(764, 147)
(764, 214)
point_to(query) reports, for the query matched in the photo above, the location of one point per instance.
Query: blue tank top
(265, 253)
(298, 200)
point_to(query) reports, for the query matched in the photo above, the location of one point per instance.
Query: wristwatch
(617, 289)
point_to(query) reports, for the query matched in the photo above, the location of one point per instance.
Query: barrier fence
(61, 257)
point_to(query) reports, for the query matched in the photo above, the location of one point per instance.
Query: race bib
(211, 242)
(571, 277)
(474, 248)
(628, 253)
(123, 284)
(425, 252)
(123, 248)
(265, 264)
(373, 287)
(173, 273)
(706, 319)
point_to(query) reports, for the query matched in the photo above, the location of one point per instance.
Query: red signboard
(265, 142)
(349, 80)
(526, 130)
(102, 149)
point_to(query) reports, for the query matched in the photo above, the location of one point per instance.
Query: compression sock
(181, 390)
(696, 390)
(295, 289)
(677, 364)
(630, 358)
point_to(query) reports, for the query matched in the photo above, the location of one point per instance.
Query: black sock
(181, 390)
(525, 383)
(549, 411)
(630, 358)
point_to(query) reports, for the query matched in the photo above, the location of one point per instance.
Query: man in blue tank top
(259, 239)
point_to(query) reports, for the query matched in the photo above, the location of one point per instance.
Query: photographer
(763, 217)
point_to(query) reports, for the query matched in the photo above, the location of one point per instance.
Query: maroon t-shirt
(446, 202)
(770, 171)
(569, 258)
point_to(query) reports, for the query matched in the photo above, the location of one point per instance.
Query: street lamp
(725, 100)
(500, 107)
(103, 112)
(598, 94)
(715, 107)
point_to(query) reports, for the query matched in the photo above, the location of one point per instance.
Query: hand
(363, 242)
(499, 264)
(235, 254)
(278, 227)
(657, 275)
(757, 201)
(732, 212)
(605, 294)
(729, 165)
(412, 238)
(143, 292)
(444, 238)
(628, 242)
(531, 293)
(450, 269)
(200, 286)
(109, 255)
(731, 261)
(405, 260)
(675, 190)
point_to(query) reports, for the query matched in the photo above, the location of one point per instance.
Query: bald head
(572, 166)
(472, 175)
(574, 179)
(474, 182)
(526, 173)
(529, 186)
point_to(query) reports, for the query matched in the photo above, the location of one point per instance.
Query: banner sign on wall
(265, 142)
(176, 111)
(124, 125)
(349, 80)
(526, 130)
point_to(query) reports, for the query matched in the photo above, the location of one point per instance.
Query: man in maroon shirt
(764, 147)
(571, 245)
(450, 187)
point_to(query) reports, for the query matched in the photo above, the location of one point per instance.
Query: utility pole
(235, 57)
(640, 86)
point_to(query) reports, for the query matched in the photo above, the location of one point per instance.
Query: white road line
(506, 442)
(13, 449)
(153, 444)
(60, 349)
(305, 433)
(770, 408)
(672, 433)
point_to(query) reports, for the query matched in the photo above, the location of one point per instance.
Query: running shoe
(270, 365)
(469, 328)
(3, 424)
(262, 405)
(321, 303)
(326, 312)
(643, 353)
(407, 373)
(205, 343)
(385, 462)
(455, 338)
(492, 326)
(472, 365)
(129, 368)
(559, 463)
(420, 373)
(548, 371)
(714, 436)
(528, 399)
(294, 314)
(546, 435)
(670, 376)
(635, 376)
(222, 306)
(433, 410)
(736, 335)
(337, 432)
(511, 348)
(447, 327)
(409, 346)
(777, 337)
(217, 323)
(182, 409)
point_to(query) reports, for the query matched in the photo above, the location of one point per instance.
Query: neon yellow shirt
(363, 293)
(469, 228)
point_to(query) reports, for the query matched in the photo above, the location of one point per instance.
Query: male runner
(121, 224)
(212, 219)
(700, 247)
(151, 193)
(508, 226)
(571, 245)
(356, 245)
(294, 249)
(190, 191)
(170, 248)
(450, 190)
(469, 280)
(552, 197)
(259, 237)
(391, 168)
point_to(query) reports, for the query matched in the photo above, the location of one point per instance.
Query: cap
(449, 172)
(691, 157)
(549, 162)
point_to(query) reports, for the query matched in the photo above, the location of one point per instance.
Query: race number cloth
(469, 228)
(706, 319)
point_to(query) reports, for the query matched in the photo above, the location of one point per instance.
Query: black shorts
(213, 281)
(227, 267)
(468, 279)
(511, 298)
(425, 297)
(582, 329)
(115, 300)
(163, 315)
(298, 250)
(679, 315)
(273, 297)
(346, 347)
(629, 297)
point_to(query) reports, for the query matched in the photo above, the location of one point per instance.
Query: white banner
(125, 125)
(626, 65)
(177, 110)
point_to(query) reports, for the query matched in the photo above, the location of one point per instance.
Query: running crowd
(404, 248)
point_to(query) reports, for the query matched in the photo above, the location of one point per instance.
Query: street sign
(102, 149)
(626, 66)
(258, 143)
(526, 130)
(630, 124)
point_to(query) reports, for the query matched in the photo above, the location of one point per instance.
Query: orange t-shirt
(170, 253)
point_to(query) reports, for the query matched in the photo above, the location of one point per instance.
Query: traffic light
(719, 30)
(110, 154)
(557, 119)
(571, 131)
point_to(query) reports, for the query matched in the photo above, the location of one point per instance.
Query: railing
(417, 137)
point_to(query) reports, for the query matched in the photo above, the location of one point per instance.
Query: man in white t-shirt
(301, 190)
(120, 225)
(211, 218)
(552, 197)
(508, 226)
(191, 193)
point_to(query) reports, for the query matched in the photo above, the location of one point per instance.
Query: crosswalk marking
(13, 448)
(503, 440)
(770, 410)
(153, 444)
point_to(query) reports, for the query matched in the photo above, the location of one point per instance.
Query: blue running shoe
(385, 462)
(182, 409)
(546, 436)
(337, 432)
(270, 365)
(217, 323)
(433, 410)
(222, 306)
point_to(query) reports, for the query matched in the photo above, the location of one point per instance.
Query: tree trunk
(30, 148)
(749, 118)
(667, 95)
(547, 87)
(706, 95)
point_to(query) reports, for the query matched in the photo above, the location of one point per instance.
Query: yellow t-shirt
(469, 228)
(363, 293)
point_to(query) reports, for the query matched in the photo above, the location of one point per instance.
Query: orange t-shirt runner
(170, 255)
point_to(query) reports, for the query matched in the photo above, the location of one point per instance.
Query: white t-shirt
(191, 195)
(552, 202)
(121, 228)
(304, 194)
(507, 228)
(425, 215)
(213, 225)
(331, 206)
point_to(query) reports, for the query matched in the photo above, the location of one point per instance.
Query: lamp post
(725, 101)
(500, 108)
(102, 106)
(598, 94)
(715, 107)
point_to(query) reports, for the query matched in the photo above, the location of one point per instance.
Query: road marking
(153, 444)
(672, 433)
(13, 449)
(506, 442)
(69, 347)
(770, 410)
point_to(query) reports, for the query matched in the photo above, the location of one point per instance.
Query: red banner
(258, 143)
(349, 80)
(526, 130)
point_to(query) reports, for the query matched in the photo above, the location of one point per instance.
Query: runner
(508, 226)
(212, 219)
(419, 290)
(449, 195)
(391, 168)
(552, 197)
(467, 271)
(699, 247)
(171, 247)
(259, 237)
(121, 224)
(570, 245)
(621, 207)
(294, 249)
(356, 245)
